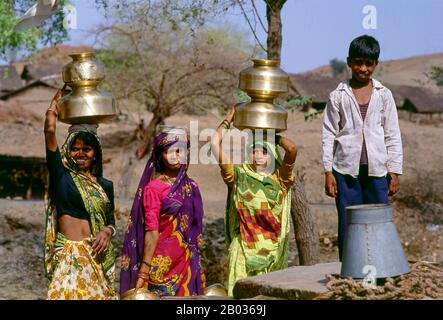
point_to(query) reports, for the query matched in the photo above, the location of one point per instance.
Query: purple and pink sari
(175, 266)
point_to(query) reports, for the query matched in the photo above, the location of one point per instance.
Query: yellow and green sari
(257, 221)
(74, 271)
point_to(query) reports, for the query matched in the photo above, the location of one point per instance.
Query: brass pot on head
(263, 82)
(86, 103)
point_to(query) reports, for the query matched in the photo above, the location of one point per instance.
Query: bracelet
(278, 139)
(143, 275)
(147, 264)
(113, 230)
(225, 124)
(52, 110)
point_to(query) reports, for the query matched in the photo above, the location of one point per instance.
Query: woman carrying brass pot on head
(161, 251)
(258, 205)
(80, 221)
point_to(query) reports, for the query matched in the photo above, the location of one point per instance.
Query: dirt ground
(21, 221)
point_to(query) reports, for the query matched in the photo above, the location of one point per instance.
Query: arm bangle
(143, 275)
(147, 264)
(225, 124)
(113, 230)
(51, 110)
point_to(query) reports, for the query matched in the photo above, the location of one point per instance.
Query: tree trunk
(304, 225)
(306, 235)
(274, 40)
(150, 132)
(130, 160)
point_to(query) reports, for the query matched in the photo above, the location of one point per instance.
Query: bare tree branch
(259, 17)
(245, 15)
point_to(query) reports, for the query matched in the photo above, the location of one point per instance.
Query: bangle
(225, 124)
(278, 139)
(147, 264)
(143, 275)
(52, 110)
(113, 230)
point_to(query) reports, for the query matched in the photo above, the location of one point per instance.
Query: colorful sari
(175, 266)
(70, 265)
(257, 221)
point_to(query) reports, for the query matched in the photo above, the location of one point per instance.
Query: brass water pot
(263, 82)
(86, 103)
(139, 294)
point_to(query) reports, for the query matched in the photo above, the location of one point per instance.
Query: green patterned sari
(96, 203)
(257, 222)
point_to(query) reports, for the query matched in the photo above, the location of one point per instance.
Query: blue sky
(316, 31)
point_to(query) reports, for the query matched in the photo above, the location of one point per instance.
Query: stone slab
(295, 283)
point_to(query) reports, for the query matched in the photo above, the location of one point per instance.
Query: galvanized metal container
(372, 247)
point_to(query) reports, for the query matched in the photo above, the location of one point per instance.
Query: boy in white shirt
(362, 148)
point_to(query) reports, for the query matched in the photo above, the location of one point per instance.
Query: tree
(167, 73)
(167, 67)
(436, 74)
(302, 217)
(337, 67)
(51, 31)
(193, 14)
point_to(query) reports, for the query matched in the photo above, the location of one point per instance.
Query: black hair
(159, 165)
(364, 47)
(90, 140)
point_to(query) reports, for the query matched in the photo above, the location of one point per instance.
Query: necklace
(169, 180)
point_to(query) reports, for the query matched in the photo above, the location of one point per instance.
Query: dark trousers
(355, 191)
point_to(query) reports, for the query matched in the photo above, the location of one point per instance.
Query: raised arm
(290, 150)
(286, 169)
(217, 139)
(51, 122)
(226, 167)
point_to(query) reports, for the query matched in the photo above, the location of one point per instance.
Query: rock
(294, 283)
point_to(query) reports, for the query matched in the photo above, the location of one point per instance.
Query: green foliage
(314, 115)
(337, 66)
(296, 101)
(436, 74)
(51, 32)
(241, 96)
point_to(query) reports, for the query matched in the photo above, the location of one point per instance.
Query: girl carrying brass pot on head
(258, 205)
(80, 221)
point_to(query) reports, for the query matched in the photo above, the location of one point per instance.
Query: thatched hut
(315, 86)
(417, 100)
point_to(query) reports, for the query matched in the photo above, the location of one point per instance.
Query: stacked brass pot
(86, 103)
(263, 82)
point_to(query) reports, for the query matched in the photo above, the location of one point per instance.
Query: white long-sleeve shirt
(344, 131)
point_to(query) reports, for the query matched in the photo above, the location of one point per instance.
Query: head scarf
(272, 150)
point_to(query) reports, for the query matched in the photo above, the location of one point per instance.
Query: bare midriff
(73, 228)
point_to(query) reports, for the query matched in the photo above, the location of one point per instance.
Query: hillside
(410, 71)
